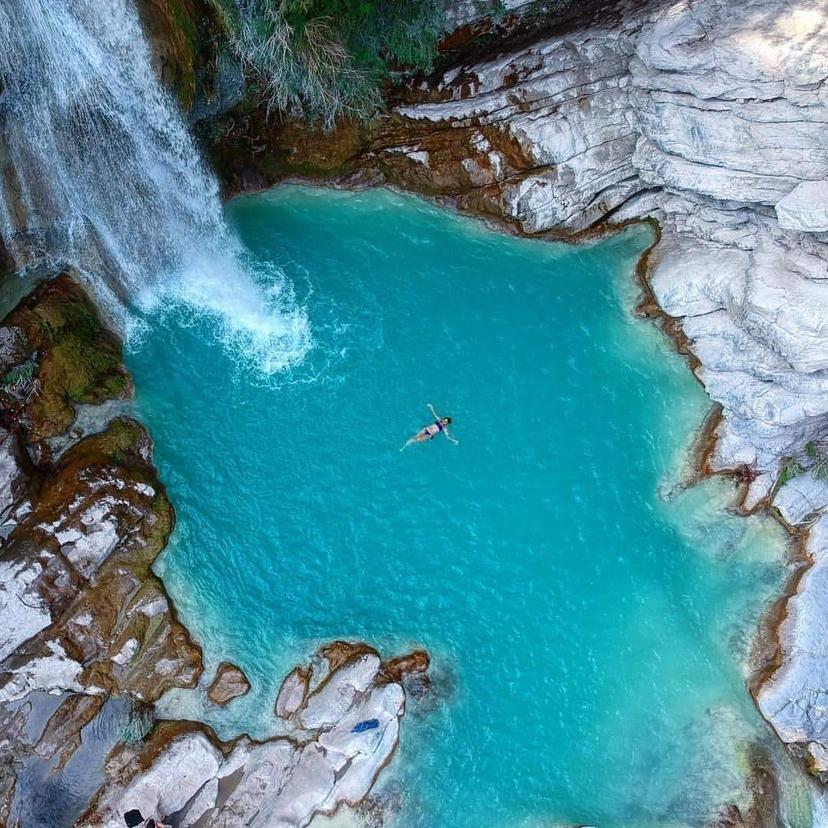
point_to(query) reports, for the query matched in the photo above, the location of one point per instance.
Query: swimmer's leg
(419, 437)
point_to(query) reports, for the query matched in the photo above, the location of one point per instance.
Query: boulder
(326, 705)
(286, 781)
(292, 693)
(230, 683)
(64, 356)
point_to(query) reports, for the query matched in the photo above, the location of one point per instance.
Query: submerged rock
(230, 683)
(396, 669)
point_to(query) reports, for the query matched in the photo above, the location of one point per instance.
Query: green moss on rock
(183, 35)
(77, 359)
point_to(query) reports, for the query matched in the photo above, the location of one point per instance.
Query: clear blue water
(586, 630)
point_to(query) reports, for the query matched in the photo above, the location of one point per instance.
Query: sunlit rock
(328, 704)
(795, 697)
(282, 781)
(292, 693)
(230, 683)
(805, 207)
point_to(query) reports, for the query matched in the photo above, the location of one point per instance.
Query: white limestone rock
(801, 499)
(336, 696)
(805, 207)
(11, 477)
(279, 783)
(795, 699)
(692, 279)
(292, 693)
(187, 764)
(23, 613)
(200, 804)
(256, 785)
(53, 672)
(86, 549)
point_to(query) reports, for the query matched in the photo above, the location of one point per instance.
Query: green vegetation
(71, 357)
(816, 464)
(325, 59)
(818, 453)
(789, 468)
(19, 378)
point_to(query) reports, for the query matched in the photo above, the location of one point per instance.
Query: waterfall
(98, 171)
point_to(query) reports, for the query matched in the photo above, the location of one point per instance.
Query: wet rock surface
(54, 355)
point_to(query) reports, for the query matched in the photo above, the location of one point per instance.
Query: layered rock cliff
(710, 118)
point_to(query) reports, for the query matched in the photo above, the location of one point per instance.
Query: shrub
(789, 468)
(328, 58)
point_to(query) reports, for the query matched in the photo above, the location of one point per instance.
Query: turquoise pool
(585, 615)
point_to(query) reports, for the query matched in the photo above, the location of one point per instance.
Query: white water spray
(98, 171)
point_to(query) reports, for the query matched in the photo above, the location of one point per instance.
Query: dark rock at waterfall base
(55, 353)
(184, 37)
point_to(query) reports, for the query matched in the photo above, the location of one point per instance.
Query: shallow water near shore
(586, 616)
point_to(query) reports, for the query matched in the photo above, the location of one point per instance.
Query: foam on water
(251, 310)
(104, 176)
(587, 635)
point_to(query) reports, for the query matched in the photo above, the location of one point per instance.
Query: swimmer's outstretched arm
(431, 407)
(449, 437)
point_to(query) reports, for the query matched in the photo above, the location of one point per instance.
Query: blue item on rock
(368, 724)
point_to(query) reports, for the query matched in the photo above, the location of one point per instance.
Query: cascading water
(98, 171)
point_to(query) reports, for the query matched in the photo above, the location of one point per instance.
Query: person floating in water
(429, 432)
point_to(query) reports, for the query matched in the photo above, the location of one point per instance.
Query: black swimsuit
(431, 434)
